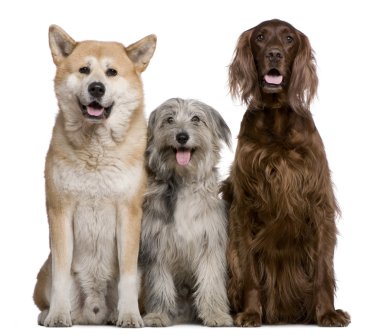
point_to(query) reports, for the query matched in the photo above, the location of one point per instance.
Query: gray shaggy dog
(183, 238)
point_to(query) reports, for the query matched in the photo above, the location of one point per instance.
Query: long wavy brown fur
(282, 206)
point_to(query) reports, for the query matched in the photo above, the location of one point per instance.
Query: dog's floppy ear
(142, 51)
(151, 124)
(243, 77)
(61, 44)
(222, 130)
(217, 123)
(303, 81)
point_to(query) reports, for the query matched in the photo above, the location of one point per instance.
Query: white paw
(42, 316)
(156, 320)
(129, 320)
(57, 319)
(218, 320)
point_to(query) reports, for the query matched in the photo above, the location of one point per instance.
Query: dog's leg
(128, 238)
(211, 295)
(243, 285)
(251, 312)
(160, 296)
(61, 245)
(251, 316)
(326, 314)
(235, 280)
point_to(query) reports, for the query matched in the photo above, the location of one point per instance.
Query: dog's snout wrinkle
(96, 89)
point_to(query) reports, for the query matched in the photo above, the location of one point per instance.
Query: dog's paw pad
(336, 318)
(130, 320)
(156, 320)
(222, 320)
(248, 320)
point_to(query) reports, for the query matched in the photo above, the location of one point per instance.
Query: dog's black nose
(96, 89)
(274, 54)
(182, 138)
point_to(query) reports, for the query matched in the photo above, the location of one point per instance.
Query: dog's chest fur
(98, 179)
(197, 221)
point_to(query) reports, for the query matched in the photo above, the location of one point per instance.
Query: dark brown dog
(282, 229)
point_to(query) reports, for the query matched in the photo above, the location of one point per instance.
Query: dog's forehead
(109, 52)
(276, 24)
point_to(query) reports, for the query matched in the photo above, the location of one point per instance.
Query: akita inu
(95, 181)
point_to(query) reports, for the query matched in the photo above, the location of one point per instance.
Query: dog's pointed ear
(142, 51)
(61, 44)
(243, 77)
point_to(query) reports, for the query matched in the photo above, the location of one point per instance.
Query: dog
(95, 182)
(184, 226)
(282, 232)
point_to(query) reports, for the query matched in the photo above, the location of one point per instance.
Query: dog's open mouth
(273, 78)
(183, 155)
(96, 111)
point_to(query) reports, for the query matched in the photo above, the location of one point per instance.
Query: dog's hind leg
(160, 296)
(211, 296)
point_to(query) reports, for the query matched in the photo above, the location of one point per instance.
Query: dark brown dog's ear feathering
(243, 78)
(303, 81)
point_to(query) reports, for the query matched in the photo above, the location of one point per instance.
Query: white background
(196, 40)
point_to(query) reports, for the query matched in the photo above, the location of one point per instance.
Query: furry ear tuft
(61, 44)
(142, 51)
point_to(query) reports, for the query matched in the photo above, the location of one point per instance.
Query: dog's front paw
(218, 320)
(248, 320)
(56, 319)
(112, 318)
(129, 320)
(336, 318)
(156, 320)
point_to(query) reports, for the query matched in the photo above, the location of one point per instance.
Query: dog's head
(98, 82)
(184, 137)
(274, 63)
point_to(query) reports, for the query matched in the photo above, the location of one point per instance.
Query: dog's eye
(84, 70)
(260, 37)
(289, 39)
(170, 120)
(111, 72)
(195, 119)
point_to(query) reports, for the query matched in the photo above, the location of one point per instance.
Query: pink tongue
(183, 157)
(275, 80)
(95, 111)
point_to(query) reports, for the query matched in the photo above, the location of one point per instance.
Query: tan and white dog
(95, 181)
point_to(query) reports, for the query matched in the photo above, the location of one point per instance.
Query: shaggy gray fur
(183, 241)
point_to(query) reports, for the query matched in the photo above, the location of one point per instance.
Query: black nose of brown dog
(182, 138)
(274, 54)
(96, 89)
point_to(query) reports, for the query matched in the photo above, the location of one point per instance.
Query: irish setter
(282, 206)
